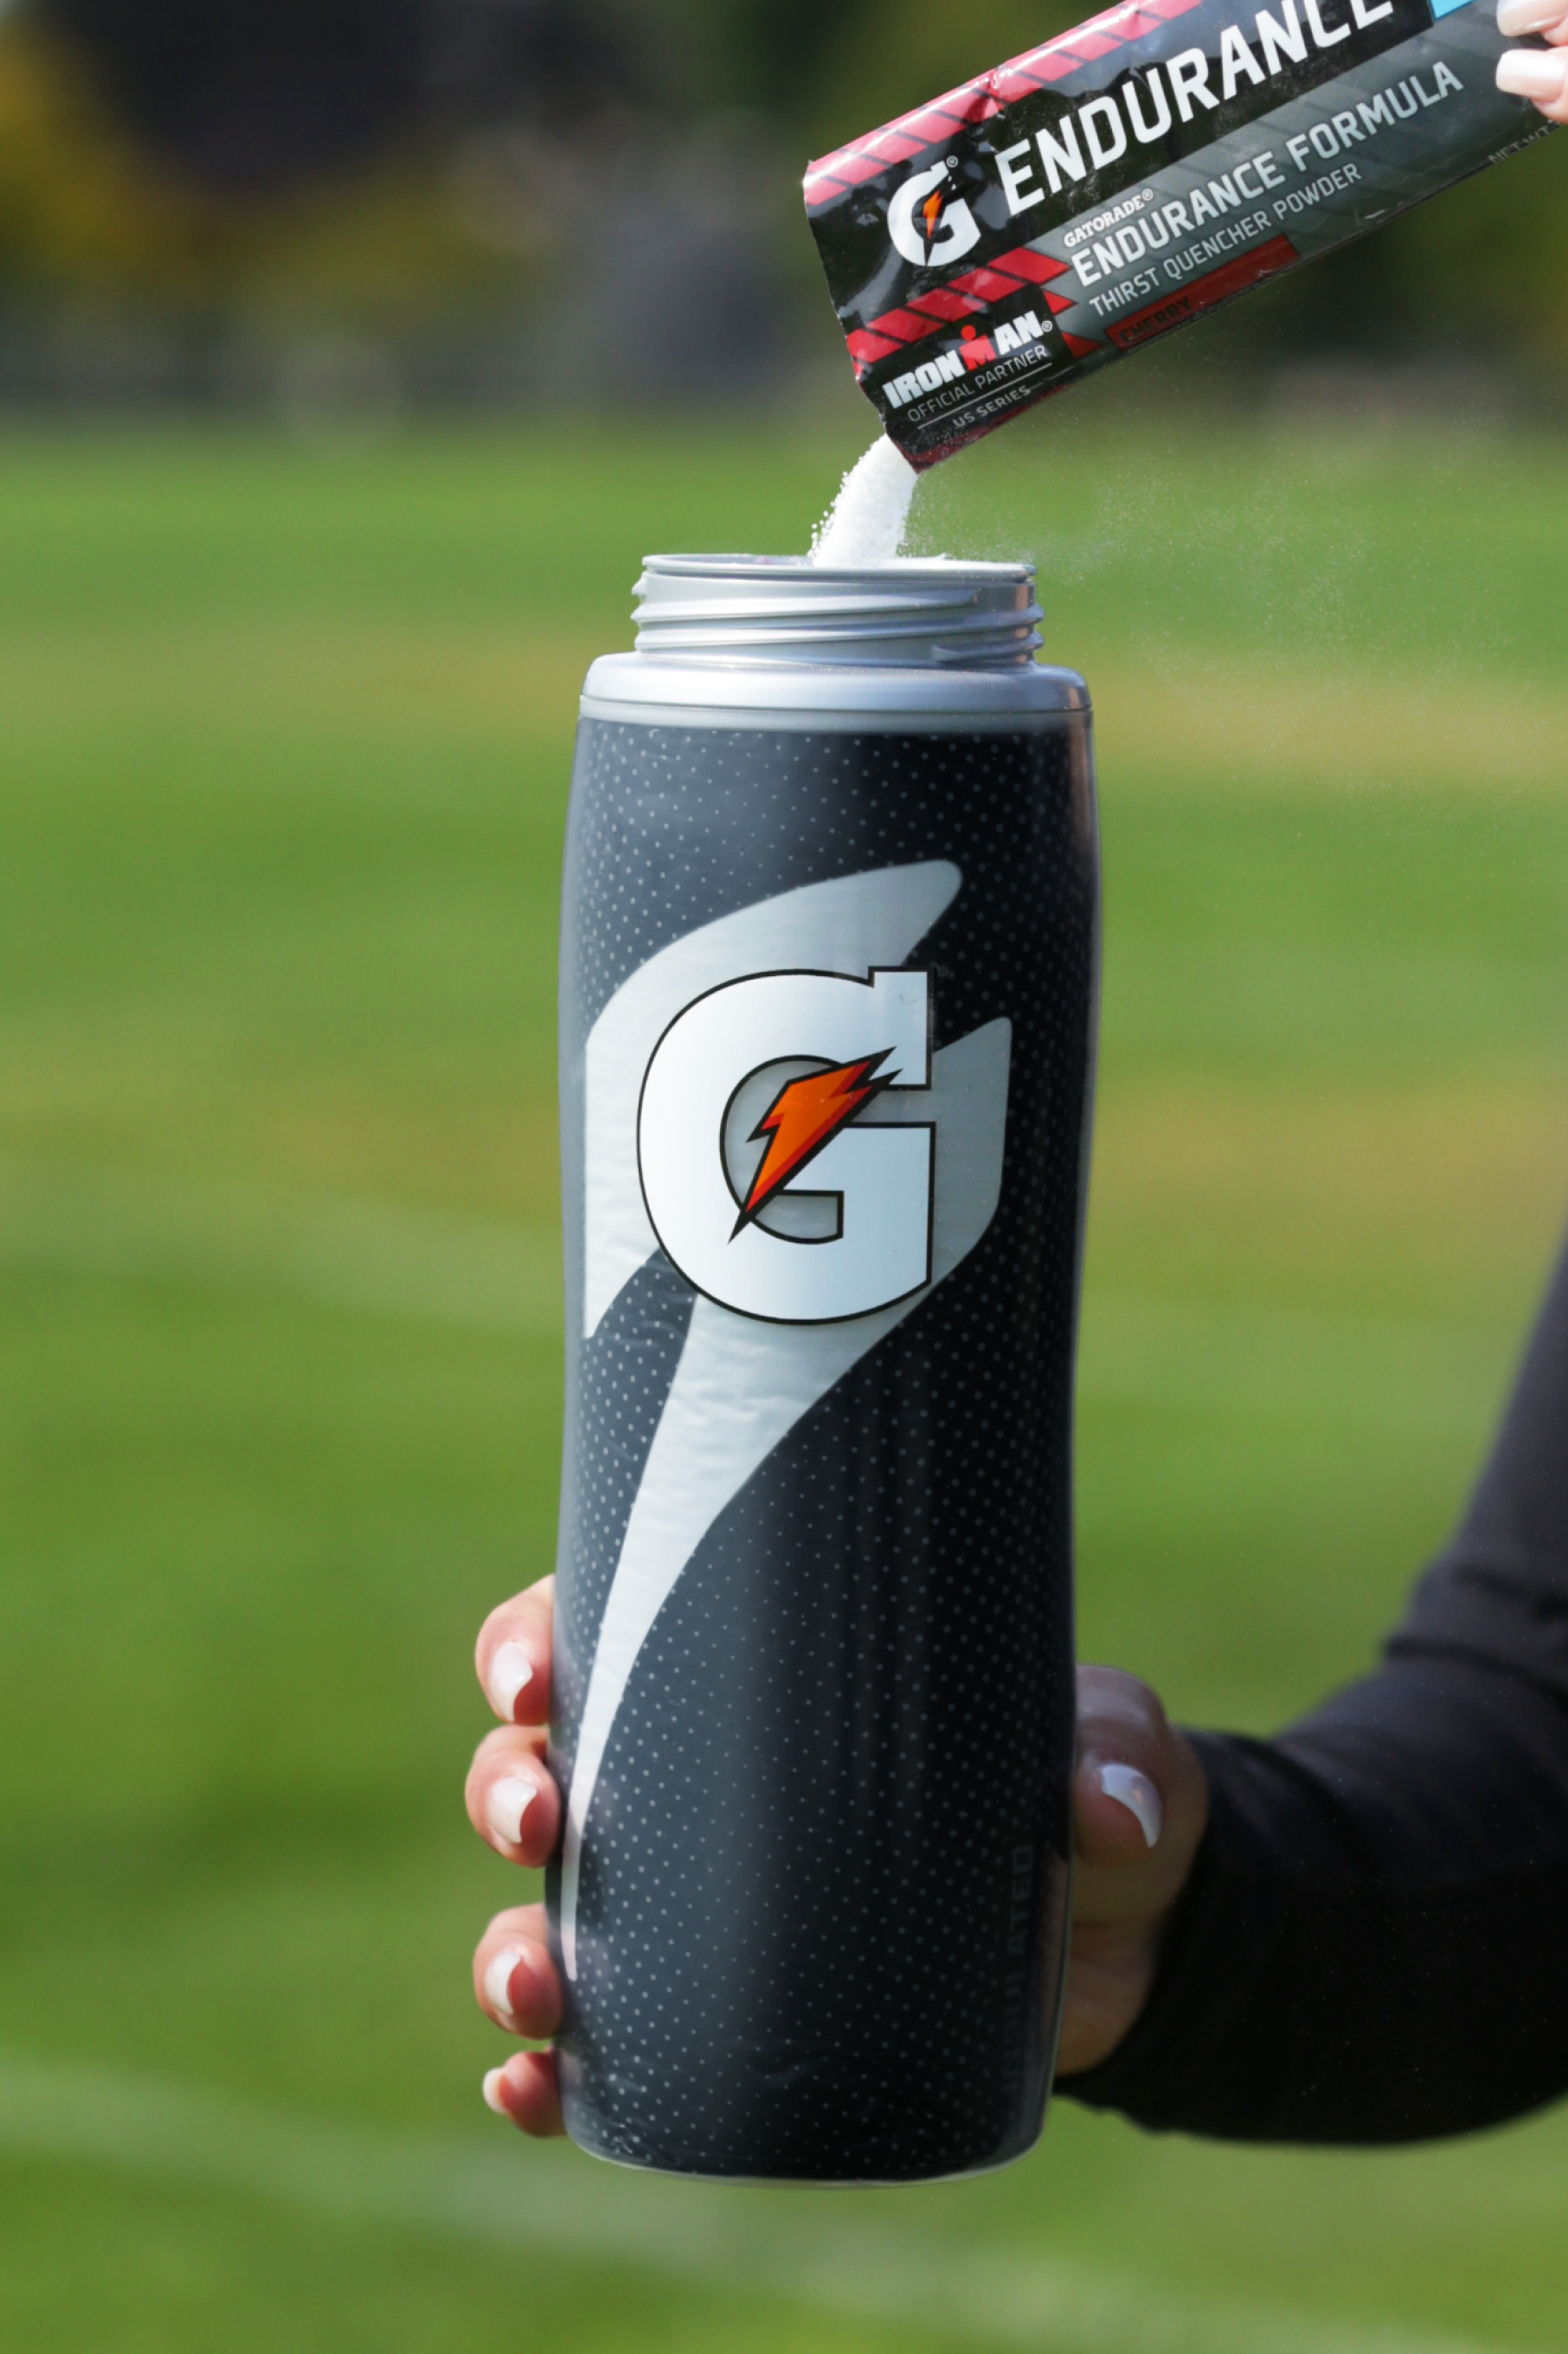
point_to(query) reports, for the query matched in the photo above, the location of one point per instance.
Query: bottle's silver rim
(948, 568)
(913, 613)
(836, 696)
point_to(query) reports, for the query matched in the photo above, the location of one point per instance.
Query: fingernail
(1138, 1793)
(1517, 16)
(505, 1807)
(509, 1674)
(1533, 73)
(492, 2093)
(498, 1980)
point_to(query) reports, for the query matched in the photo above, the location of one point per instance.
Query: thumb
(1140, 1801)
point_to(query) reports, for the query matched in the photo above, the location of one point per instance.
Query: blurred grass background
(282, 772)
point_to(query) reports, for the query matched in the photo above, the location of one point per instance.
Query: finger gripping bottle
(827, 986)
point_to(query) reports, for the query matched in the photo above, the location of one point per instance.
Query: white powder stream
(867, 521)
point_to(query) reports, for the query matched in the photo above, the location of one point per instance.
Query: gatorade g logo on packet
(993, 247)
(928, 222)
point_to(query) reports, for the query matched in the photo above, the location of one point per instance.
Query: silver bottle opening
(918, 613)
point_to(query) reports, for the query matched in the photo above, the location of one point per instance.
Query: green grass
(283, 764)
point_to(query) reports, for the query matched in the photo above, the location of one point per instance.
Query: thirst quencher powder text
(1125, 177)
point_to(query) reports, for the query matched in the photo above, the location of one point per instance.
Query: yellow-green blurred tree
(92, 209)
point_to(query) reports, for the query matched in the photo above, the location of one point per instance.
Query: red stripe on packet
(977, 100)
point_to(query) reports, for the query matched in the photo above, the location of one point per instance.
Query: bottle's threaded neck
(915, 614)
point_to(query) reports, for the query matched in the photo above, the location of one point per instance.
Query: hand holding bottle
(1140, 1805)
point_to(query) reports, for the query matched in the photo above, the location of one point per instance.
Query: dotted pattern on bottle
(822, 1912)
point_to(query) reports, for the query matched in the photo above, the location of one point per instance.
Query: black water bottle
(828, 991)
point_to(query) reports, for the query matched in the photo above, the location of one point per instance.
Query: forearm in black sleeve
(1371, 1947)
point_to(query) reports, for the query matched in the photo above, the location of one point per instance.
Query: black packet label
(990, 248)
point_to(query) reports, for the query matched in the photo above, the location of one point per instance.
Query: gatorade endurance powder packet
(828, 965)
(989, 248)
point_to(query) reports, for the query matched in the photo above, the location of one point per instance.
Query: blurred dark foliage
(251, 97)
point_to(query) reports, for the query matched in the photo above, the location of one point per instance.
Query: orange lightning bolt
(932, 212)
(804, 1116)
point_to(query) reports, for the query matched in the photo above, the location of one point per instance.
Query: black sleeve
(1373, 1945)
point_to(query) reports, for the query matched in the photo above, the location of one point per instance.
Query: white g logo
(927, 227)
(780, 1170)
